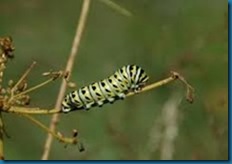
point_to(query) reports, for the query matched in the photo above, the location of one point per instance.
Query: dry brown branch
(33, 88)
(174, 76)
(69, 66)
(117, 7)
(27, 110)
(23, 77)
(17, 94)
(61, 138)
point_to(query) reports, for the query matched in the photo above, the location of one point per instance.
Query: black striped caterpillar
(129, 78)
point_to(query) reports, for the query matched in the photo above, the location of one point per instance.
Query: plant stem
(69, 66)
(117, 7)
(23, 110)
(60, 138)
(33, 88)
(23, 77)
(154, 85)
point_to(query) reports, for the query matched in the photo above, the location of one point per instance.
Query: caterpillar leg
(65, 109)
(100, 103)
(122, 96)
(89, 105)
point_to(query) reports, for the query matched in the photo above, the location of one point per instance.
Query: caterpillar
(129, 78)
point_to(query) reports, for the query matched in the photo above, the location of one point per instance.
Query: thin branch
(154, 85)
(56, 135)
(33, 88)
(23, 110)
(14, 97)
(189, 89)
(23, 77)
(174, 76)
(69, 66)
(117, 7)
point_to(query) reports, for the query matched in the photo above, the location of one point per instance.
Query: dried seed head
(3, 91)
(7, 47)
(1, 104)
(75, 133)
(22, 86)
(72, 85)
(3, 59)
(8, 90)
(18, 102)
(10, 83)
(21, 100)
(54, 74)
(5, 106)
(25, 100)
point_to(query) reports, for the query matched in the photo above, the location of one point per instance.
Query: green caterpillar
(129, 78)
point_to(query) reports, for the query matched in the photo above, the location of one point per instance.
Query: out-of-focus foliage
(190, 37)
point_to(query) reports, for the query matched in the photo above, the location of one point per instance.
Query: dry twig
(69, 66)
(60, 137)
(117, 7)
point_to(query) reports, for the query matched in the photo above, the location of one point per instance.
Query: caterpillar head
(65, 107)
(71, 102)
(139, 81)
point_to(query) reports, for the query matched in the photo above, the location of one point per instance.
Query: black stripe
(95, 101)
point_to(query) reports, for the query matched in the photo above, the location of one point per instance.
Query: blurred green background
(190, 37)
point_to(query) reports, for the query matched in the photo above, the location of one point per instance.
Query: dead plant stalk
(69, 66)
